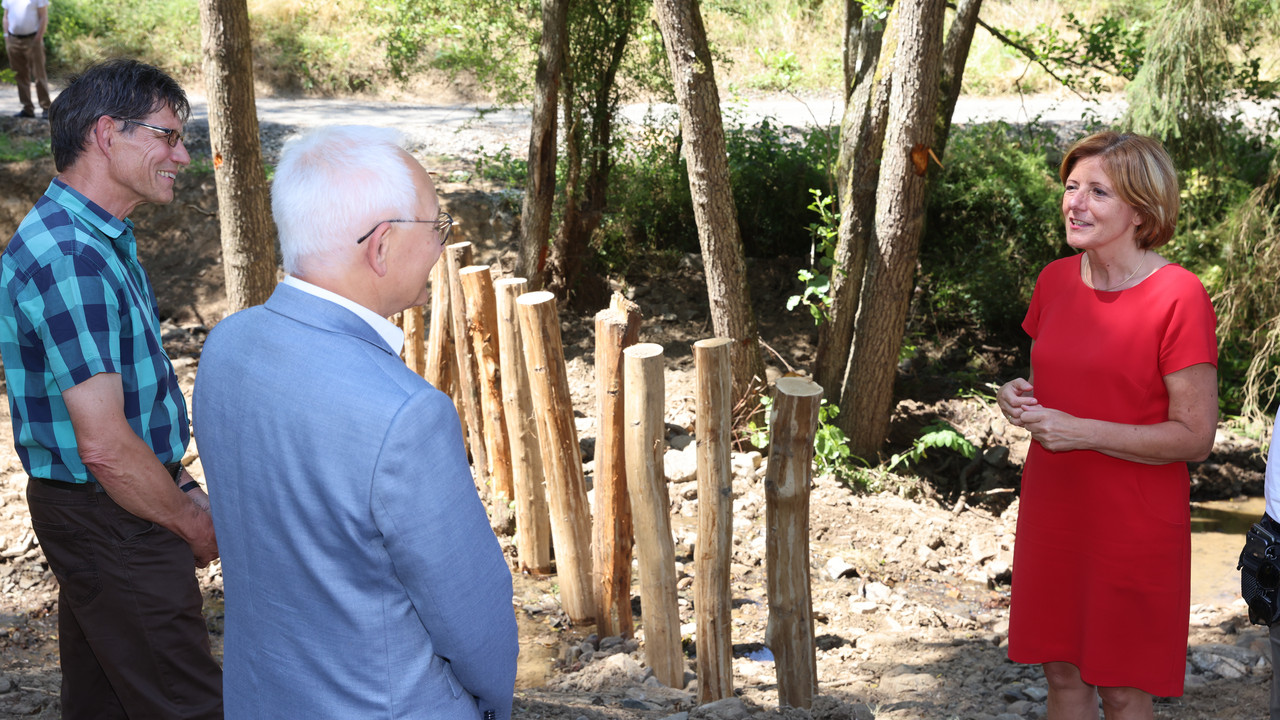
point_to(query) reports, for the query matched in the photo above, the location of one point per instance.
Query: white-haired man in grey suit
(362, 579)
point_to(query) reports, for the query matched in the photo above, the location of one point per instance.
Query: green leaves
(940, 434)
(816, 293)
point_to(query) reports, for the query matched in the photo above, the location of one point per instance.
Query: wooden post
(643, 395)
(533, 522)
(481, 310)
(712, 603)
(617, 327)
(787, 481)
(458, 256)
(415, 339)
(561, 456)
(442, 369)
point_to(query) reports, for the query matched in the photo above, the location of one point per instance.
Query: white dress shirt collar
(393, 335)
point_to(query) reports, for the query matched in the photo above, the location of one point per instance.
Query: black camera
(1260, 573)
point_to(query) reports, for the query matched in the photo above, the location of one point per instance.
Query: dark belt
(172, 468)
(24, 37)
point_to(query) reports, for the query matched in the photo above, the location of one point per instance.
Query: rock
(878, 592)
(1224, 661)
(840, 568)
(681, 465)
(616, 671)
(1020, 707)
(996, 456)
(862, 607)
(633, 704)
(677, 716)
(904, 679)
(727, 709)
(1036, 693)
(1012, 693)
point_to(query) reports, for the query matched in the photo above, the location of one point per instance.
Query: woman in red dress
(1122, 393)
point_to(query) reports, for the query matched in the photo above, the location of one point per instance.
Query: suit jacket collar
(322, 314)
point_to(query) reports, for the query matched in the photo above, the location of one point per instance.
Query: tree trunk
(955, 52)
(591, 95)
(861, 142)
(535, 212)
(244, 206)
(693, 77)
(899, 220)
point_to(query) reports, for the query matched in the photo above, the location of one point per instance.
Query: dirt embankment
(910, 588)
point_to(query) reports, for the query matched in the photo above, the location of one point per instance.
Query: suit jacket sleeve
(443, 551)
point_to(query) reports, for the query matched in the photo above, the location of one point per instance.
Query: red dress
(1102, 562)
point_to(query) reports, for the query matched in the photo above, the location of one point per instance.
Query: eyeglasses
(171, 136)
(443, 225)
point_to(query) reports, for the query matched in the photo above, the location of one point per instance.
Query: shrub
(992, 225)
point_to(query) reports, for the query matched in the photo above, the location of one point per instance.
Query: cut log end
(798, 387)
(643, 350)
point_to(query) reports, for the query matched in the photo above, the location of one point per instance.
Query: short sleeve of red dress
(1102, 559)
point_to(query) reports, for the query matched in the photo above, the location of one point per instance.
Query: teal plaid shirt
(75, 302)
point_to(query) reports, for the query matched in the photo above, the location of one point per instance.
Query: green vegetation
(15, 148)
(993, 217)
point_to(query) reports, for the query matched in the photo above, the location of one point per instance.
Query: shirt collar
(119, 232)
(393, 335)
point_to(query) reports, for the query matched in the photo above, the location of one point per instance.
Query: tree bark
(561, 455)
(787, 482)
(457, 256)
(955, 53)
(698, 98)
(244, 206)
(535, 212)
(713, 603)
(601, 30)
(617, 328)
(533, 519)
(900, 208)
(643, 396)
(481, 311)
(869, 73)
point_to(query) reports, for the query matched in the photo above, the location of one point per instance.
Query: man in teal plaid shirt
(98, 419)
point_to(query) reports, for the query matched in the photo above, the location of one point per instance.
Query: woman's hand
(1015, 398)
(1056, 431)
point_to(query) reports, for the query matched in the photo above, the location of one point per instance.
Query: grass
(15, 148)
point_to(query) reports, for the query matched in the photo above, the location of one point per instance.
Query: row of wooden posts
(496, 350)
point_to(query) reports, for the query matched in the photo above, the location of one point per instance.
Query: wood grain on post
(413, 321)
(533, 521)
(481, 310)
(712, 603)
(644, 394)
(788, 478)
(458, 255)
(561, 456)
(442, 369)
(617, 327)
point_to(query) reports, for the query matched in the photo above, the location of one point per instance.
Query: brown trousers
(133, 642)
(26, 57)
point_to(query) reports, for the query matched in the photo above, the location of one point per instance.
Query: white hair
(330, 182)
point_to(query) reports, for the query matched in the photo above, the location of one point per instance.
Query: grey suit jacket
(362, 579)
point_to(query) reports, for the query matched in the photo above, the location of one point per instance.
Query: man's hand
(128, 468)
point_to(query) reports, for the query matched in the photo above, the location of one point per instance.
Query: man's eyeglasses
(443, 225)
(171, 136)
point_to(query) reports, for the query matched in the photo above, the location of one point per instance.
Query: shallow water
(1217, 535)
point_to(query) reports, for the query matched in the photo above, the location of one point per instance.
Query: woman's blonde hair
(1142, 175)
